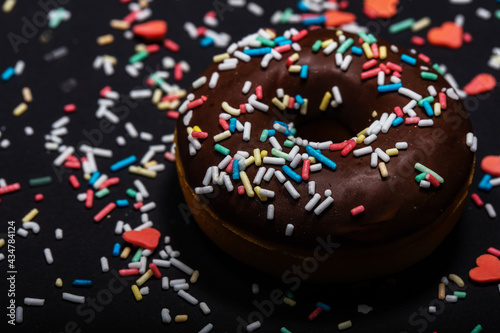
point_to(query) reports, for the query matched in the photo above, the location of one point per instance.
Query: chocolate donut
(367, 140)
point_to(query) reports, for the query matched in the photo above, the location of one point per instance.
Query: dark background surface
(399, 301)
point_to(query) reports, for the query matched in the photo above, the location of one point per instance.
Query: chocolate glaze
(394, 207)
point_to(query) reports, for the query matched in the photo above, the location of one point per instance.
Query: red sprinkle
(178, 72)
(305, 169)
(315, 313)
(72, 164)
(169, 156)
(170, 98)
(442, 100)
(385, 69)
(155, 270)
(171, 45)
(418, 41)
(128, 271)
(396, 74)
(39, 197)
(69, 108)
(74, 181)
(243, 108)
(302, 33)
(412, 120)
(283, 48)
(493, 251)
(195, 103)
(199, 135)
(357, 210)
(258, 92)
(89, 201)
(374, 47)
(138, 205)
(152, 48)
(393, 67)
(241, 190)
(291, 102)
(467, 37)
(432, 180)
(229, 168)
(108, 182)
(150, 82)
(130, 18)
(424, 58)
(338, 146)
(398, 112)
(369, 64)
(224, 124)
(371, 73)
(477, 200)
(105, 211)
(201, 31)
(173, 114)
(347, 149)
(104, 91)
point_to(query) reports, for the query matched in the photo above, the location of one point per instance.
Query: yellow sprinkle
(59, 283)
(286, 100)
(303, 107)
(368, 51)
(150, 164)
(294, 68)
(222, 136)
(8, 5)
(181, 318)
(125, 253)
(374, 114)
(246, 184)
(144, 3)
(2, 242)
(141, 171)
(423, 23)
(109, 58)
(146, 276)
(441, 291)
(345, 325)
(382, 52)
(175, 104)
(31, 215)
(437, 109)
(140, 47)
(256, 155)
(289, 301)
(271, 33)
(263, 153)
(164, 105)
(383, 170)
(137, 293)
(87, 176)
(221, 57)
(339, 32)
(360, 138)
(280, 105)
(105, 39)
(295, 57)
(312, 159)
(325, 43)
(363, 132)
(249, 161)
(197, 129)
(257, 191)
(194, 277)
(455, 278)
(189, 130)
(20, 109)
(119, 24)
(392, 151)
(229, 109)
(27, 96)
(157, 96)
(325, 101)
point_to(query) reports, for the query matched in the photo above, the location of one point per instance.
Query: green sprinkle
(497, 14)
(429, 99)
(316, 46)
(158, 80)
(57, 18)
(102, 193)
(364, 36)
(221, 149)
(138, 57)
(287, 13)
(429, 76)
(131, 193)
(420, 177)
(264, 135)
(137, 255)
(279, 153)
(438, 69)
(289, 294)
(284, 330)
(294, 131)
(40, 181)
(477, 329)
(373, 39)
(401, 26)
(266, 42)
(460, 294)
(345, 45)
(423, 168)
(289, 143)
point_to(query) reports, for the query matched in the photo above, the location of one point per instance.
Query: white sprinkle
(445, 281)
(140, 93)
(338, 59)
(181, 266)
(256, 104)
(432, 90)
(401, 145)
(313, 202)
(382, 155)
(198, 83)
(483, 13)
(100, 181)
(311, 187)
(165, 316)
(19, 67)
(246, 131)
(425, 123)
(363, 151)
(330, 48)
(255, 9)
(451, 93)
(315, 167)
(451, 298)
(258, 177)
(22, 232)
(188, 297)
(322, 206)
(213, 80)
(425, 184)
(291, 189)
(274, 142)
(59, 234)
(148, 207)
(432, 309)
(161, 263)
(145, 136)
(381, 78)
(409, 93)
(208, 327)
(63, 156)
(34, 301)
(364, 309)
(490, 210)
(374, 160)
(279, 175)
(337, 95)
(473, 148)
(289, 230)
(269, 174)
(73, 298)
(61, 122)
(388, 123)
(346, 62)
(204, 308)
(28, 131)
(253, 326)
(270, 212)
(370, 139)
(130, 128)
(19, 315)
(144, 290)
(32, 226)
(132, 71)
(273, 160)
(267, 193)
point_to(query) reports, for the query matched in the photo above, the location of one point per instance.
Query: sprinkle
(490, 210)
(136, 292)
(253, 326)
(321, 158)
(423, 168)
(477, 200)
(82, 283)
(408, 59)
(455, 278)
(477, 329)
(48, 256)
(389, 87)
(322, 206)
(105, 211)
(31, 215)
(221, 149)
(428, 76)
(345, 45)
(451, 298)
(291, 189)
(357, 210)
(401, 26)
(34, 182)
(383, 169)
(344, 325)
(34, 301)
(290, 173)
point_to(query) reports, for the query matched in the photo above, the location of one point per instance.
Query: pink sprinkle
(493, 251)
(195, 103)
(477, 200)
(169, 156)
(74, 181)
(69, 108)
(199, 135)
(424, 58)
(374, 47)
(109, 182)
(283, 48)
(302, 33)
(104, 91)
(152, 48)
(305, 169)
(398, 111)
(396, 74)
(357, 210)
(369, 64)
(338, 146)
(39, 197)
(171, 45)
(173, 114)
(89, 201)
(150, 82)
(418, 41)
(442, 100)
(138, 205)
(467, 37)
(241, 190)
(347, 149)
(371, 73)
(291, 102)
(385, 69)
(258, 92)
(178, 72)
(394, 67)
(130, 18)
(412, 120)
(243, 108)
(105, 211)
(224, 124)
(201, 31)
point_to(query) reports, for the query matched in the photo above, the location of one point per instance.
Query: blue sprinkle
(82, 283)
(8, 73)
(284, 42)
(357, 50)
(280, 39)
(292, 174)
(232, 125)
(409, 60)
(94, 178)
(271, 132)
(122, 203)
(302, 6)
(321, 158)
(323, 306)
(315, 20)
(389, 87)
(206, 42)
(303, 71)
(398, 121)
(258, 51)
(428, 108)
(299, 100)
(485, 184)
(123, 163)
(116, 250)
(236, 169)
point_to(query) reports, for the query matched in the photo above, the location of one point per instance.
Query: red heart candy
(146, 238)
(448, 35)
(480, 84)
(335, 18)
(151, 30)
(487, 270)
(380, 8)
(491, 164)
